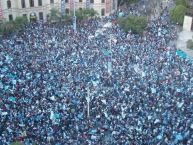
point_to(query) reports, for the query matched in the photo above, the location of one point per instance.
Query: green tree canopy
(12, 26)
(83, 14)
(121, 2)
(91, 12)
(20, 21)
(54, 15)
(180, 2)
(134, 23)
(177, 14)
(189, 44)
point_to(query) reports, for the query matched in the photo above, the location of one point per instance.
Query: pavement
(183, 37)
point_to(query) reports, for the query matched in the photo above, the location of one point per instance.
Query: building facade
(10, 9)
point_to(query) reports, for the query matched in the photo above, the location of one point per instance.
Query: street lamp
(62, 7)
(110, 48)
(74, 17)
(88, 102)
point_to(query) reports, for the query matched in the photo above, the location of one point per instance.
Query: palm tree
(92, 12)
(54, 15)
(20, 22)
(84, 14)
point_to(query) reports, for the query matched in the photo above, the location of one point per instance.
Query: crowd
(140, 91)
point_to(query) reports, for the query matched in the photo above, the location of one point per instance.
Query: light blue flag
(106, 52)
(12, 99)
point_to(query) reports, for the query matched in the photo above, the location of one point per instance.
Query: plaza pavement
(183, 37)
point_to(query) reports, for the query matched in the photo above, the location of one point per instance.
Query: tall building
(1, 11)
(10, 9)
(189, 11)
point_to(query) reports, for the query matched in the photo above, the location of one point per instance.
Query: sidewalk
(183, 37)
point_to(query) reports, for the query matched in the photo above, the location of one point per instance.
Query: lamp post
(62, 7)
(111, 47)
(74, 17)
(88, 102)
(110, 61)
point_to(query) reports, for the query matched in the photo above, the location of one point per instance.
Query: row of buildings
(10, 9)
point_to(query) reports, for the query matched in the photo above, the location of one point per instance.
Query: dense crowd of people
(140, 91)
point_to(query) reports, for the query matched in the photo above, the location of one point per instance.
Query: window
(91, 1)
(66, 1)
(41, 16)
(39, 2)
(80, 1)
(31, 3)
(25, 15)
(67, 11)
(114, 4)
(51, 1)
(9, 4)
(33, 17)
(102, 12)
(10, 17)
(23, 3)
(102, 1)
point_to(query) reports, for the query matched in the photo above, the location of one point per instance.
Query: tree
(12, 26)
(66, 18)
(122, 23)
(121, 2)
(6, 28)
(177, 14)
(20, 22)
(180, 2)
(79, 15)
(54, 15)
(134, 23)
(189, 44)
(83, 14)
(92, 13)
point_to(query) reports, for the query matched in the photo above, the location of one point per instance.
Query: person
(146, 99)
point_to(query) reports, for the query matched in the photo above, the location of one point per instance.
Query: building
(189, 15)
(189, 3)
(1, 12)
(190, 7)
(10, 9)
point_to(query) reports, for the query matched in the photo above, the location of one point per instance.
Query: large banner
(187, 23)
(63, 7)
(87, 4)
